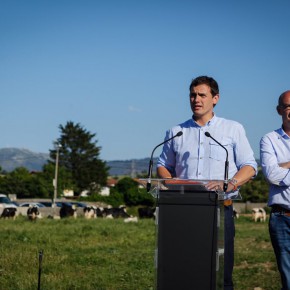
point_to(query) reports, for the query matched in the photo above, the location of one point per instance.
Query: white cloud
(133, 109)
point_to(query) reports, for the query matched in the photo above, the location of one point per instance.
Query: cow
(9, 212)
(115, 212)
(236, 214)
(68, 210)
(90, 211)
(33, 213)
(147, 212)
(99, 211)
(259, 214)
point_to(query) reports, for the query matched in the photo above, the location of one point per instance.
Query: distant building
(84, 193)
(105, 191)
(68, 193)
(111, 182)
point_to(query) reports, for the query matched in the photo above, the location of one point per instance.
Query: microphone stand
(148, 186)
(226, 174)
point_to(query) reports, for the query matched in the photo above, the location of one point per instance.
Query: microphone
(226, 176)
(151, 159)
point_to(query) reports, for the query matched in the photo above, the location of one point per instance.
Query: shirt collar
(282, 133)
(212, 121)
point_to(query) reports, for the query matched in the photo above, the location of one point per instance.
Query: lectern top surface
(163, 184)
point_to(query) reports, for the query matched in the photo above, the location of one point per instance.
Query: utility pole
(57, 147)
(133, 171)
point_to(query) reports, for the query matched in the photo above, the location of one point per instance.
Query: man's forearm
(162, 172)
(285, 165)
(244, 174)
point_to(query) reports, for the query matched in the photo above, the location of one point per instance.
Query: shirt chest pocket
(217, 152)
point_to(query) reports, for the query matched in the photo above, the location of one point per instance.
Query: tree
(17, 182)
(79, 155)
(45, 178)
(256, 190)
(126, 184)
(133, 195)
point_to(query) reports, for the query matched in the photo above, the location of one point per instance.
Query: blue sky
(122, 68)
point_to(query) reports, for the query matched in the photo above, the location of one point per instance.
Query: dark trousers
(279, 229)
(229, 230)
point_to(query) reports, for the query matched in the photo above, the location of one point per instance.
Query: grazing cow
(236, 214)
(99, 211)
(147, 212)
(259, 214)
(33, 213)
(90, 212)
(68, 210)
(9, 212)
(115, 212)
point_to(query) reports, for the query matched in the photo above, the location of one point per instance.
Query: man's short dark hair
(205, 80)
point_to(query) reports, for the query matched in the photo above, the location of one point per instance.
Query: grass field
(112, 255)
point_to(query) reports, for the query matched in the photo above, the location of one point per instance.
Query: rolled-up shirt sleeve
(273, 151)
(243, 152)
(167, 157)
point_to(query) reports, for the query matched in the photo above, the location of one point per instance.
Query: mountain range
(11, 158)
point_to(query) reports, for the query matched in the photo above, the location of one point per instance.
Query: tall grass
(111, 255)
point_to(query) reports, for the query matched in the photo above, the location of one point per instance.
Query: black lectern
(190, 236)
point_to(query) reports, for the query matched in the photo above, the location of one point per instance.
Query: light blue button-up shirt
(275, 149)
(195, 156)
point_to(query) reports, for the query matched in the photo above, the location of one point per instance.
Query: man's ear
(216, 99)
(279, 110)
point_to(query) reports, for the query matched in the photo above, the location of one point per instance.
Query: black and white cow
(68, 210)
(33, 213)
(147, 212)
(99, 211)
(90, 211)
(9, 212)
(115, 212)
(259, 214)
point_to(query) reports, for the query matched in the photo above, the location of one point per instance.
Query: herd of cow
(91, 212)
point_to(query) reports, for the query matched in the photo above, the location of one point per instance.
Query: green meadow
(103, 254)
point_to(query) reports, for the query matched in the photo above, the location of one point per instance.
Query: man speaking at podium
(207, 141)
